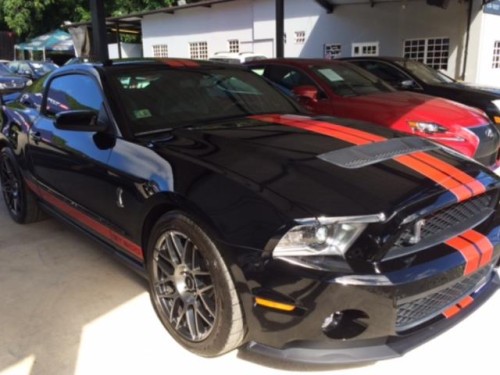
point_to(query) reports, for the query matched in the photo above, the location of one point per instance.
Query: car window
(73, 92)
(259, 70)
(4, 69)
(42, 68)
(384, 71)
(348, 80)
(175, 98)
(32, 96)
(14, 67)
(24, 68)
(288, 77)
(424, 72)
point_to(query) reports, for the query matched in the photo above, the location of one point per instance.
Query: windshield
(158, 99)
(43, 68)
(424, 73)
(345, 80)
(4, 69)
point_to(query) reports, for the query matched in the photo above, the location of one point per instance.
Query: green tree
(35, 17)
(30, 18)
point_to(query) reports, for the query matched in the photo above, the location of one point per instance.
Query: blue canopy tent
(57, 41)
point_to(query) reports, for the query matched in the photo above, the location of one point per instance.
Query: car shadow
(54, 282)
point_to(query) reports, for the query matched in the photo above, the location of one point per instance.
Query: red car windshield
(348, 81)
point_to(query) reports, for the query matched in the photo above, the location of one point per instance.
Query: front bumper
(373, 349)
(359, 318)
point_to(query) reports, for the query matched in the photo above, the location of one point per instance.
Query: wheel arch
(172, 202)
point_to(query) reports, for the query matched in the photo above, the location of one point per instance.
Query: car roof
(379, 58)
(296, 62)
(137, 63)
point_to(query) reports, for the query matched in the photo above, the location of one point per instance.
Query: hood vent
(372, 153)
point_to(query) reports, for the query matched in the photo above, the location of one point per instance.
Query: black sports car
(311, 239)
(404, 74)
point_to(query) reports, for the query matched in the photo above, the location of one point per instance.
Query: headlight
(3, 86)
(426, 127)
(29, 82)
(326, 236)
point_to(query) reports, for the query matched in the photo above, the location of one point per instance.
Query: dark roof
(132, 21)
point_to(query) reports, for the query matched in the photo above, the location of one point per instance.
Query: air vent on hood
(372, 153)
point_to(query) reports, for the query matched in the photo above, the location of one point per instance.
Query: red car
(344, 90)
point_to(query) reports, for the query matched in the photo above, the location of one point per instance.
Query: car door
(71, 164)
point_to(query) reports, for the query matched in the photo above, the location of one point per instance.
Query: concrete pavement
(66, 307)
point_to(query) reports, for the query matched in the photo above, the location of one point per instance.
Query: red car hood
(395, 109)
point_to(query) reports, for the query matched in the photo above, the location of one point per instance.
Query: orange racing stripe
(455, 309)
(482, 243)
(471, 255)
(474, 185)
(440, 172)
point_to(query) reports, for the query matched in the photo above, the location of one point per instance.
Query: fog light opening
(345, 324)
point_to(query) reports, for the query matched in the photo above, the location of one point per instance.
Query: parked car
(31, 69)
(342, 89)
(308, 239)
(10, 82)
(236, 57)
(411, 75)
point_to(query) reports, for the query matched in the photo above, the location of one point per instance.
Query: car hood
(395, 109)
(494, 91)
(282, 158)
(463, 90)
(12, 78)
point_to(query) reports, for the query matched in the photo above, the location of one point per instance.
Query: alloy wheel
(183, 287)
(11, 186)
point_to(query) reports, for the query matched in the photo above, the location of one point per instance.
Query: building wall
(215, 25)
(485, 73)
(252, 22)
(390, 24)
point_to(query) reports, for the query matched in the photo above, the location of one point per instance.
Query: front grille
(445, 220)
(489, 140)
(414, 312)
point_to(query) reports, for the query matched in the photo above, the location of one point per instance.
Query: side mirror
(79, 120)
(306, 94)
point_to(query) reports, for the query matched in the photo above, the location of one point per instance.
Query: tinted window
(4, 69)
(384, 71)
(24, 68)
(157, 99)
(32, 96)
(424, 72)
(288, 77)
(73, 92)
(14, 66)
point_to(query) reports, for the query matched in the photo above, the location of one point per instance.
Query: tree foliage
(35, 17)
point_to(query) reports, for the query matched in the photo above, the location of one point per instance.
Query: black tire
(21, 203)
(191, 289)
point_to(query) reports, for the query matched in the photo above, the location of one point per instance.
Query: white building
(462, 39)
